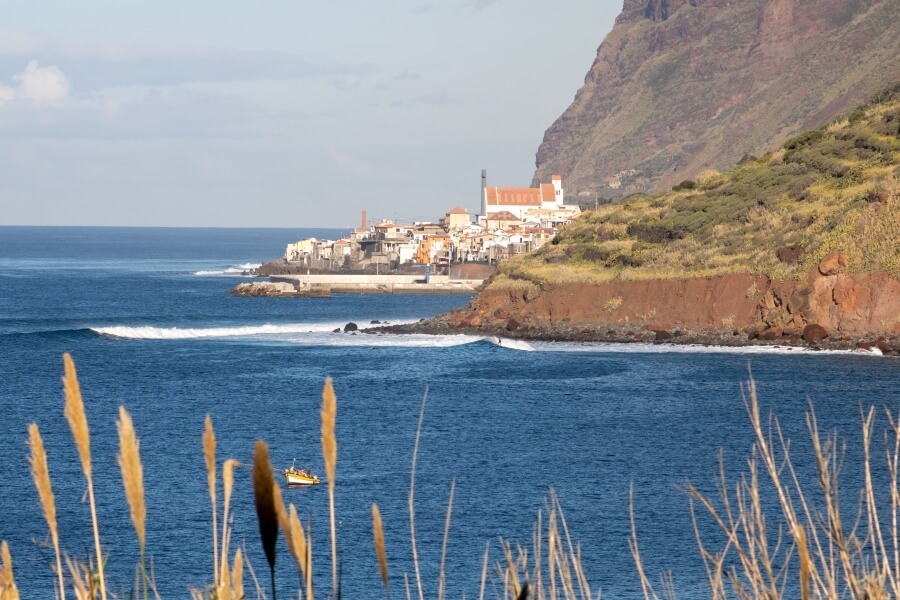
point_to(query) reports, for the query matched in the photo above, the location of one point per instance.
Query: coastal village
(512, 221)
(455, 254)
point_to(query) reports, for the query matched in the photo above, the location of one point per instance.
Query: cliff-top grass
(836, 188)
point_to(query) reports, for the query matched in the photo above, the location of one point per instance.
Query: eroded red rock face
(838, 304)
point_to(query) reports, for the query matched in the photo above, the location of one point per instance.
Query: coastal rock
(814, 333)
(351, 326)
(833, 263)
(264, 288)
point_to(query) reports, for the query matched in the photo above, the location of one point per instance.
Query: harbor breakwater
(323, 285)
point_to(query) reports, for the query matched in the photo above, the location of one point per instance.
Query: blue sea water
(147, 316)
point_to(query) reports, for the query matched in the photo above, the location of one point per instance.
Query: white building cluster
(512, 221)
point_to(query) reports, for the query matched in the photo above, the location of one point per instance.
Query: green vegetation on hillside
(834, 188)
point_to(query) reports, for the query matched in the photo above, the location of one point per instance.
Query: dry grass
(760, 554)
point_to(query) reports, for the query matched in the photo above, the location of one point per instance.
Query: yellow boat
(295, 476)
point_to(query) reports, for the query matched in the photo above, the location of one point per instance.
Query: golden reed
(75, 415)
(380, 551)
(228, 468)
(209, 453)
(8, 589)
(40, 472)
(133, 480)
(329, 453)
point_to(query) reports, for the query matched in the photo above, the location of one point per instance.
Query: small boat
(295, 476)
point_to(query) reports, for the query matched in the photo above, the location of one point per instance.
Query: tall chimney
(484, 192)
(363, 220)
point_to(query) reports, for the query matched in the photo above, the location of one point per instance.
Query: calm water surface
(147, 316)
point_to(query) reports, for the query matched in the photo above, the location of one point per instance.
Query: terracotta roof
(555, 178)
(458, 211)
(513, 196)
(503, 215)
(521, 196)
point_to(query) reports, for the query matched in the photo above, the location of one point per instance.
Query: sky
(279, 113)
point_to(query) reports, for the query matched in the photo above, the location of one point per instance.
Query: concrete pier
(379, 284)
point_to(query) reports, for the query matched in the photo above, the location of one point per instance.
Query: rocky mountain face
(680, 86)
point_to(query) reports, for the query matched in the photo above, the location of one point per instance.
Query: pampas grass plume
(75, 415)
(329, 453)
(209, 453)
(132, 474)
(299, 537)
(41, 475)
(263, 486)
(237, 576)
(228, 468)
(378, 536)
(8, 590)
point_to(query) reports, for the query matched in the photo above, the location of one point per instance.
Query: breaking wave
(228, 272)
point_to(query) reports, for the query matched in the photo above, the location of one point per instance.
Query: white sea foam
(324, 334)
(306, 334)
(229, 271)
(186, 333)
(642, 348)
(511, 343)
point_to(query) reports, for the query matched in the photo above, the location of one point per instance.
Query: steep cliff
(679, 86)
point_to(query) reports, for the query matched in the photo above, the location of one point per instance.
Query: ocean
(147, 317)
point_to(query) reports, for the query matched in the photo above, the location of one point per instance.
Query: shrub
(687, 184)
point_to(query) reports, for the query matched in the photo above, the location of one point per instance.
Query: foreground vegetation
(807, 546)
(833, 188)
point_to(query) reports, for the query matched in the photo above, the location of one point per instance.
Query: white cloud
(96, 66)
(6, 94)
(42, 85)
(19, 42)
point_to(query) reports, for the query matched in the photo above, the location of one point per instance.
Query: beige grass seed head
(329, 441)
(75, 414)
(132, 474)
(378, 535)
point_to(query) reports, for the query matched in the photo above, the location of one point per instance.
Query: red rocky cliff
(831, 305)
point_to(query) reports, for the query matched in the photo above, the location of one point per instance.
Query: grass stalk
(209, 454)
(133, 480)
(442, 576)
(75, 415)
(412, 504)
(41, 474)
